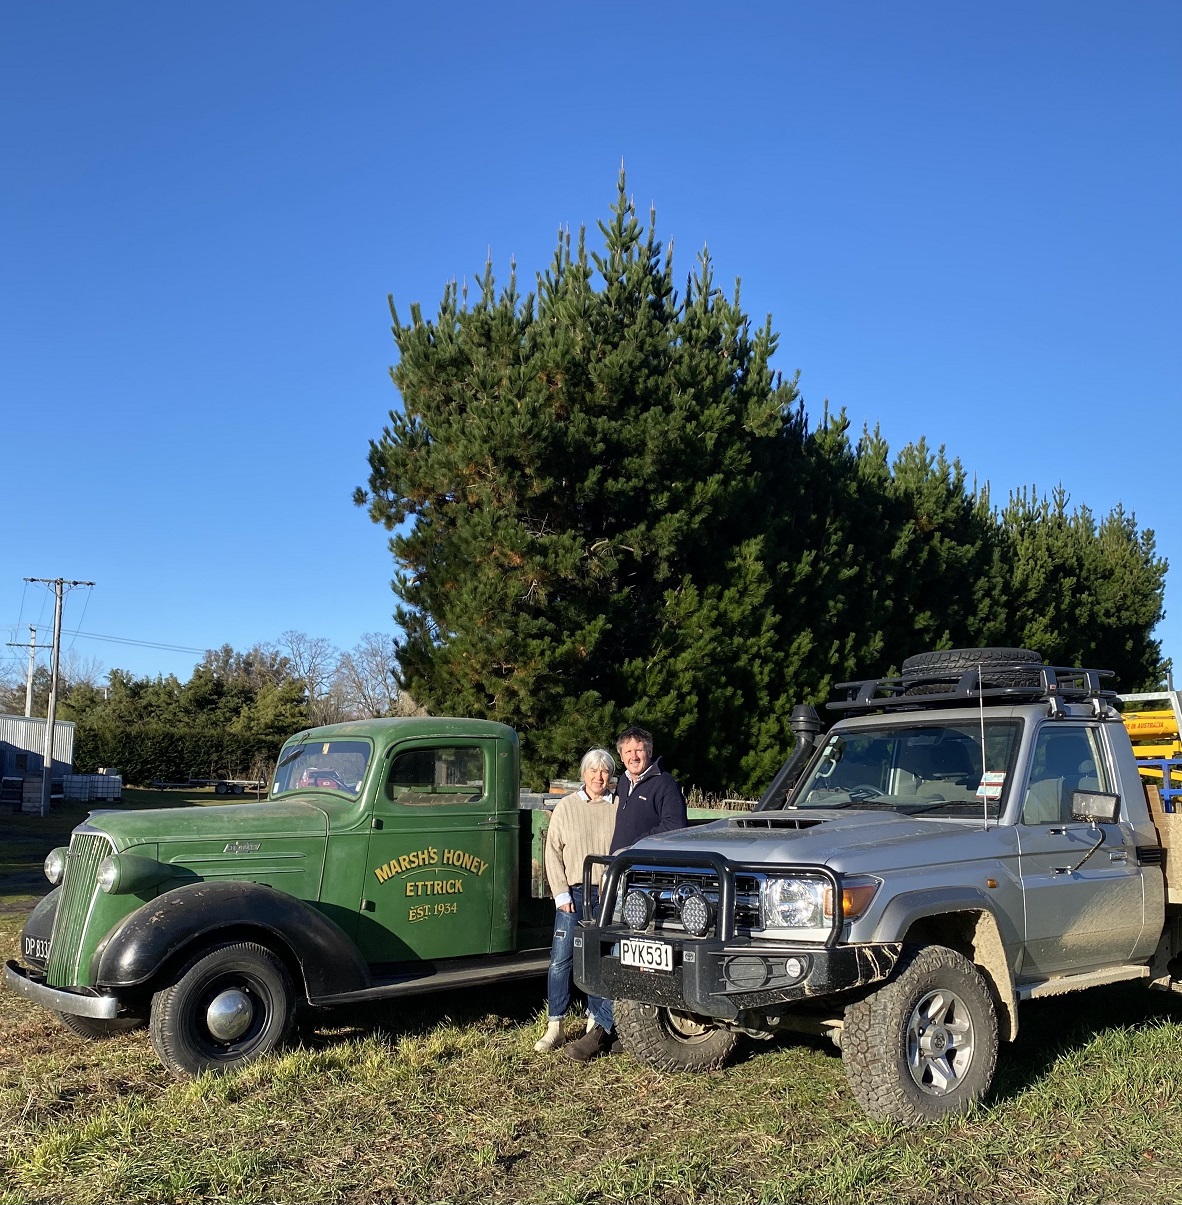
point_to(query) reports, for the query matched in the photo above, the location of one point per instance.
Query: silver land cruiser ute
(969, 835)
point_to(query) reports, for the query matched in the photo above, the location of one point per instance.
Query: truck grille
(87, 850)
(664, 885)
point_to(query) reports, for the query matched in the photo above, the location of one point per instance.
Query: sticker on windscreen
(991, 785)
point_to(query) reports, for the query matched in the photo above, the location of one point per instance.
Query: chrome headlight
(793, 903)
(108, 874)
(121, 874)
(55, 865)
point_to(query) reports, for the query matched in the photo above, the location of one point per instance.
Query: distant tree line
(229, 719)
(606, 507)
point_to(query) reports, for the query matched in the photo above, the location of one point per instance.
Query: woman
(582, 824)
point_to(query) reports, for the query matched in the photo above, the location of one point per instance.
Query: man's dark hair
(634, 733)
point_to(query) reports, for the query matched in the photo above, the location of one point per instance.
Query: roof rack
(998, 682)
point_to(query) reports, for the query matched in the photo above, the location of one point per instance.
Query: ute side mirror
(1094, 806)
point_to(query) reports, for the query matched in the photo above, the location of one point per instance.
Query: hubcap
(229, 1015)
(939, 1042)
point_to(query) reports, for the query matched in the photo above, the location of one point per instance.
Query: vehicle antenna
(984, 769)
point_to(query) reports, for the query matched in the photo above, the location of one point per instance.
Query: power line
(148, 644)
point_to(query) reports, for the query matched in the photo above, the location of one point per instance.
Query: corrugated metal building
(22, 744)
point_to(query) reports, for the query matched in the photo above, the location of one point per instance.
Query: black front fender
(39, 928)
(192, 915)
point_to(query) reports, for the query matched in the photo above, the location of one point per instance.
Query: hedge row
(143, 752)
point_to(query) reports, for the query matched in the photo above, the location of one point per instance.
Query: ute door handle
(493, 822)
(1118, 855)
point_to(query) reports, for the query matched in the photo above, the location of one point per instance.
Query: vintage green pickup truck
(393, 857)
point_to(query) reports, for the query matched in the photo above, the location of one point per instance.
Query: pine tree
(568, 485)
(605, 506)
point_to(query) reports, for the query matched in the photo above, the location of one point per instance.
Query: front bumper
(721, 979)
(19, 980)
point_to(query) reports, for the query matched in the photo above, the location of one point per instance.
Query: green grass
(444, 1099)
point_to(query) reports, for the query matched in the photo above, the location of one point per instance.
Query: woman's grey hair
(597, 759)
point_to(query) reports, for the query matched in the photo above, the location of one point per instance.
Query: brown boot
(591, 1045)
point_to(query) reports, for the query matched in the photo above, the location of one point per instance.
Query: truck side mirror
(1094, 806)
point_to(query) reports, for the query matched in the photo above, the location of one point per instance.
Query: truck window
(323, 766)
(439, 775)
(1066, 759)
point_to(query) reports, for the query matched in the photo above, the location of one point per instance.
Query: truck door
(1077, 916)
(430, 888)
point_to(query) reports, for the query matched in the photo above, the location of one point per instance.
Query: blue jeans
(562, 957)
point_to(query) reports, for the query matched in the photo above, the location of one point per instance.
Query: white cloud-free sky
(964, 220)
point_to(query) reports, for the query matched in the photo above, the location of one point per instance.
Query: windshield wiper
(935, 804)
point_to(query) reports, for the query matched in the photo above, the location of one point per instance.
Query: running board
(1075, 983)
(425, 977)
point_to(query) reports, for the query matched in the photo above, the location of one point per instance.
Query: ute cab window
(437, 776)
(936, 768)
(337, 766)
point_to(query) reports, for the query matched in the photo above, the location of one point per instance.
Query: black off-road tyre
(672, 1041)
(956, 661)
(97, 1029)
(924, 1045)
(181, 1012)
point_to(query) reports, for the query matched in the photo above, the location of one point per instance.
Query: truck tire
(950, 661)
(670, 1040)
(228, 1006)
(924, 1045)
(95, 1029)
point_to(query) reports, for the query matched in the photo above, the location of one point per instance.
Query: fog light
(793, 968)
(697, 913)
(638, 909)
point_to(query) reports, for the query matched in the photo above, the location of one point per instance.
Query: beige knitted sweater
(578, 827)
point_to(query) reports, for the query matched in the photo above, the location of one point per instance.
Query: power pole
(32, 647)
(58, 584)
(29, 677)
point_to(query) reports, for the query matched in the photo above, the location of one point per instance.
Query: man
(650, 801)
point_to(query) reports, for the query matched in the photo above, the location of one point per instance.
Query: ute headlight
(793, 903)
(55, 865)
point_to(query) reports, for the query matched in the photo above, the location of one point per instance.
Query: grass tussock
(444, 1100)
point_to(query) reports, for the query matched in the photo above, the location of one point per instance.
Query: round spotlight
(794, 968)
(638, 909)
(697, 914)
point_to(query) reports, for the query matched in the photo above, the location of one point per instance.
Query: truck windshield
(932, 768)
(323, 766)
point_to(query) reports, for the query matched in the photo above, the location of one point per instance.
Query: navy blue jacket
(654, 804)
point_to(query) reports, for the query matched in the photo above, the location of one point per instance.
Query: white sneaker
(551, 1039)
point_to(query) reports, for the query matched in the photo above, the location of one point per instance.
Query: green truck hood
(232, 822)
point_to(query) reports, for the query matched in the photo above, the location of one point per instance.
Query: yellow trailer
(1157, 741)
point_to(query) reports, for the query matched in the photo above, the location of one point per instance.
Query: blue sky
(963, 219)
